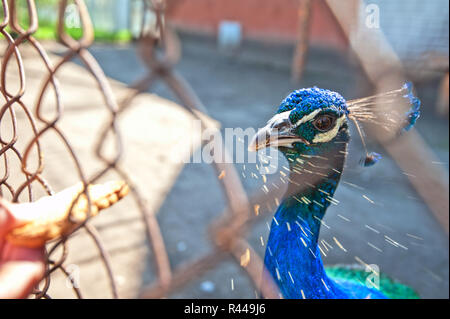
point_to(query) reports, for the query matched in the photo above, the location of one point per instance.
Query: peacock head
(314, 121)
(309, 121)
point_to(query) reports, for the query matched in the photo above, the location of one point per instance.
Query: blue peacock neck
(292, 254)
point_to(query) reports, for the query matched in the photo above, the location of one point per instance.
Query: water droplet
(181, 246)
(207, 286)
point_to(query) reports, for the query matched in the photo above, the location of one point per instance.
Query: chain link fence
(159, 49)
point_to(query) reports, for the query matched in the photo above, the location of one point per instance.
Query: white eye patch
(282, 123)
(328, 136)
(307, 118)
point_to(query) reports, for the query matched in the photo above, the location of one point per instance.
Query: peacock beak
(277, 133)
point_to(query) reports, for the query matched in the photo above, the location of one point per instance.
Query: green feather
(389, 287)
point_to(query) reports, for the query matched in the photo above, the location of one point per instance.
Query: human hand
(26, 228)
(21, 268)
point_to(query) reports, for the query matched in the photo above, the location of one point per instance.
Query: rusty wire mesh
(227, 233)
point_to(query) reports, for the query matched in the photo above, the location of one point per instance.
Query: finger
(13, 252)
(20, 270)
(6, 219)
(17, 278)
(51, 213)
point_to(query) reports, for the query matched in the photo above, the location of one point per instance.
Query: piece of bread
(48, 218)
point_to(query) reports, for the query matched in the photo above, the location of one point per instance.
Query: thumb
(7, 220)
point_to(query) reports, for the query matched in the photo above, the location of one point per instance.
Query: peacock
(311, 129)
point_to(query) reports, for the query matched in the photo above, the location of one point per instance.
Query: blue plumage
(293, 256)
(413, 113)
(371, 159)
(305, 101)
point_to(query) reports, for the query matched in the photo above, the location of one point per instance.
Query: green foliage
(48, 29)
(49, 33)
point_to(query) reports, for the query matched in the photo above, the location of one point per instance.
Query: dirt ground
(243, 89)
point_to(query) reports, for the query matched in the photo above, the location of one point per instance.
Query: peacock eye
(324, 122)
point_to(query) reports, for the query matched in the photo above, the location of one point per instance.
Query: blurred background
(241, 58)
